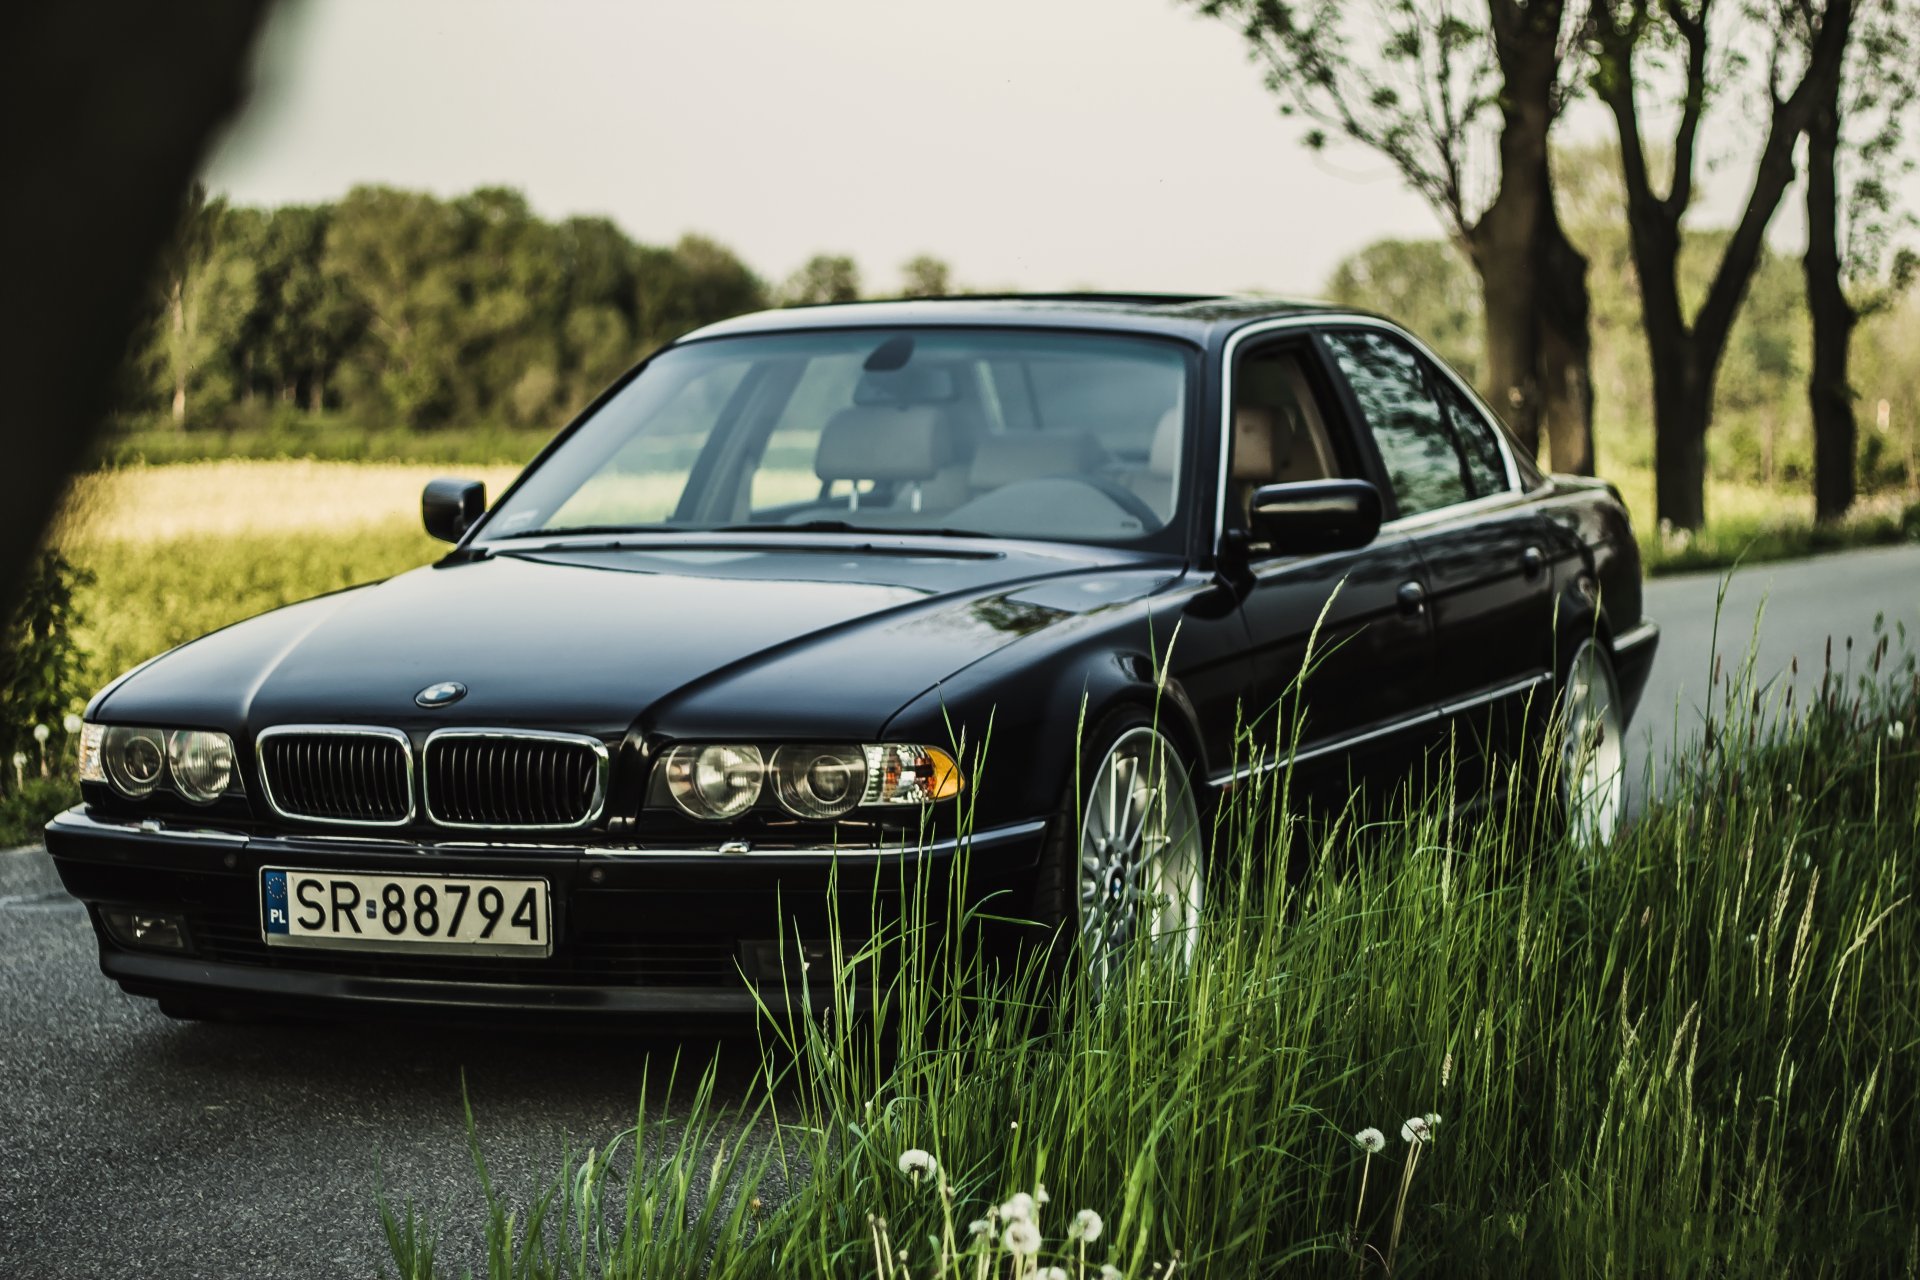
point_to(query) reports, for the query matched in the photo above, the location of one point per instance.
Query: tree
(826, 277)
(1628, 40)
(1423, 284)
(208, 292)
(1881, 74)
(925, 276)
(1419, 82)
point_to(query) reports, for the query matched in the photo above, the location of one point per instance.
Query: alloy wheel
(1140, 855)
(1593, 756)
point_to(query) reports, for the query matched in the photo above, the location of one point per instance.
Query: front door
(1341, 643)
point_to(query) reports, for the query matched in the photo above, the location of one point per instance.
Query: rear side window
(1423, 463)
(1486, 465)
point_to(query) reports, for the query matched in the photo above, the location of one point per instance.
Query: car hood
(748, 638)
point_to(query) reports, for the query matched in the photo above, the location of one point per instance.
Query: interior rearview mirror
(450, 507)
(1315, 516)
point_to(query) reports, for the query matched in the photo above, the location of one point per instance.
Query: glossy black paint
(451, 507)
(1452, 625)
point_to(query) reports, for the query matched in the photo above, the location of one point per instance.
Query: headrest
(882, 442)
(1163, 459)
(1029, 455)
(1253, 451)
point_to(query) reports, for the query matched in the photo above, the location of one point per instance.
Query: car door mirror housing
(450, 507)
(1315, 516)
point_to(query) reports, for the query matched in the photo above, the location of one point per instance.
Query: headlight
(91, 767)
(134, 759)
(717, 782)
(819, 781)
(898, 774)
(201, 762)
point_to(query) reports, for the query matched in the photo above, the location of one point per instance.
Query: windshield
(1006, 433)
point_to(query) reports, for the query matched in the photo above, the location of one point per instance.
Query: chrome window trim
(1346, 320)
(340, 730)
(602, 766)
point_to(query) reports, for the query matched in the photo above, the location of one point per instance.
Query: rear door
(1457, 499)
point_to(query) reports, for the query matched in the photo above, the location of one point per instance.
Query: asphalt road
(134, 1146)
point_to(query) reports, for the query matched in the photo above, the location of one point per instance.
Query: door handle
(1412, 597)
(1532, 561)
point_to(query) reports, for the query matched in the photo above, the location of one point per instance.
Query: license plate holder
(406, 912)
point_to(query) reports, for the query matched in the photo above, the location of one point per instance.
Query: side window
(1423, 465)
(1279, 435)
(1486, 466)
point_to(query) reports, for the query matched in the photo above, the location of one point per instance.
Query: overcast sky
(1034, 144)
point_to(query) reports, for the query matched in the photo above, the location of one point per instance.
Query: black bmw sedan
(816, 595)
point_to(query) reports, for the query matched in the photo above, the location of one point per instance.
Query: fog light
(148, 930)
(807, 961)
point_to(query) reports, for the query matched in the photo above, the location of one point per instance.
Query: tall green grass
(1695, 1050)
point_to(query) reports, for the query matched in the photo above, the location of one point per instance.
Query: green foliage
(1686, 1052)
(825, 277)
(1761, 434)
(397, 308)
(143, 598)
(42, 673)
(925, 276)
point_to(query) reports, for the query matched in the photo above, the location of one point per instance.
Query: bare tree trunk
(179, 313)
(1564, 309)
(1512, 337)
(1835, 433)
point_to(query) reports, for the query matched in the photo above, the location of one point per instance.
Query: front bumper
(638, 931)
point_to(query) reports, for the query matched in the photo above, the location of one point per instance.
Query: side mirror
(449, 507)
(1315, 516)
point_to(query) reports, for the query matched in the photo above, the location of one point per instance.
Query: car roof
(1196, 317)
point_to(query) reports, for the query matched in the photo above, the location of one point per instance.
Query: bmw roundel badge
(446, 693)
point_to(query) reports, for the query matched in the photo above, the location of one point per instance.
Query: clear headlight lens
(202, 764)
(134, 759)
(713, 783)
(91, 767)
(902, 774)
(819, 781)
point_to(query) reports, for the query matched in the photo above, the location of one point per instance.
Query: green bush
(41, 693)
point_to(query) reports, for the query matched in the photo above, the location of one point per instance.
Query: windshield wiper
(842, 526)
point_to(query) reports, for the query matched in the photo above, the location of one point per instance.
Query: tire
(1591, 737)
(1100, 890)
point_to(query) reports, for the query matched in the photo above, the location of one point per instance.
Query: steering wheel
(1121, 496)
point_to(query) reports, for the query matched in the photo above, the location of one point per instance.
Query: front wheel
(1592, 746)
(1126, 863)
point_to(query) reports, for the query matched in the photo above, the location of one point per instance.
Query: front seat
(901, 448)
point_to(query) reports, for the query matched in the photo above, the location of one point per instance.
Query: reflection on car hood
(591, 638)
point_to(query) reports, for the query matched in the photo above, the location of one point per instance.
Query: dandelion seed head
(917, 1164)
(1371, 1141)
(1053, 1273)
(1019, 1208)
(73, 723)
(1897, 730)
(1415, 1130)
(979, 1227)
(1433, 1122)
(1040, 1195)
(1022, 1238)
(41, 733)
(1086, 1226)
(1109, 1272)
(19, 759)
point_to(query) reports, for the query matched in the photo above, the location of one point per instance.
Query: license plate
(465, 915)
